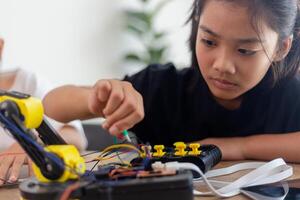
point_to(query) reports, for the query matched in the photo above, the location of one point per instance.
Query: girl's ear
(284, 48)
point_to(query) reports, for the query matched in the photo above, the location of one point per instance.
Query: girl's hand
(12, 160)
(118, 102)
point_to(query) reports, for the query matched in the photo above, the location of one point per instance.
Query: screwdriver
(125, 134)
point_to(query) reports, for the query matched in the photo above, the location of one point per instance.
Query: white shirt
(29, 83)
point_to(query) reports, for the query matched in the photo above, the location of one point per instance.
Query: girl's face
(231, 57)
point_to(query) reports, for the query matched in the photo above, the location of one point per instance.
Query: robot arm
(20, 113)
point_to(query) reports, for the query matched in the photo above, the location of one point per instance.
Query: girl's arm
(259, 147)
(115, 100)
(67, 103)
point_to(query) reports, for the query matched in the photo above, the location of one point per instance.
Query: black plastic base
(209, 157)
(179, 186)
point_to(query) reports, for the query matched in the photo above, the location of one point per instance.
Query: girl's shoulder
(159, 73)
(168, 68)
(158, 80)
(288, 89)
(283, 107)
(290, 85)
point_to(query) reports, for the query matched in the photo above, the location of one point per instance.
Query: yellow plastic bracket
(31, 108)
(146, 151)
(180, 149)
(73, 161)
(195, 149)
(159, 150)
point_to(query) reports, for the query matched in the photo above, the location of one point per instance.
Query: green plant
(140, 23)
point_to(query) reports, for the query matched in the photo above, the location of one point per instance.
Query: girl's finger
(115, 99)
(99, 96)
(133, 102)
(125, 123)
(103, 89)
(123, 111)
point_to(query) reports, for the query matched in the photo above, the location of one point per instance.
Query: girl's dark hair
(283, 16)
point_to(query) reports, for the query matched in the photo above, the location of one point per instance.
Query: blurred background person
(12, 156)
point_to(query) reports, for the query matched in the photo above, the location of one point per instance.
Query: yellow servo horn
(194, 149)
(146, 151)
(159, 151)
(180, 149)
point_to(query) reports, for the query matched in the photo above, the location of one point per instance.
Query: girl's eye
(246, 52)
(208, 43)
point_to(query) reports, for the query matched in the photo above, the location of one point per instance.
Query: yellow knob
(195, 149)
(146, 151)
(180, 149)
(159, 150)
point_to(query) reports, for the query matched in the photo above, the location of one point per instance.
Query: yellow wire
(123, 162)
(118, 146)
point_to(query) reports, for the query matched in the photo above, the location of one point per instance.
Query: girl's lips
(223, 84)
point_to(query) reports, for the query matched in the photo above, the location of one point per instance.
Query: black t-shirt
(179, 107)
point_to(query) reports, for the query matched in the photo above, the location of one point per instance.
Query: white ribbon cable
(263, 173)
(255, 175)
(233, 169)
(285, 171)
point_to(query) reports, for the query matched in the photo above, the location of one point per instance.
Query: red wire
(66, 194)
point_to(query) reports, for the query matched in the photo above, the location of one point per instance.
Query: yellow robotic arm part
(74, 163)
(58, 161)
(31, 108)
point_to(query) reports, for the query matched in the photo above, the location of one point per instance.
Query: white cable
(263, 173)
(190, 166)
(232, 169)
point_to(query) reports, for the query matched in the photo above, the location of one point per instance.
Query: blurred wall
(80, 41)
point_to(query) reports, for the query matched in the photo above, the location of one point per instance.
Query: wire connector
(168, 165)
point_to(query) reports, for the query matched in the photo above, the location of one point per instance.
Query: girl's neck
(230, 104)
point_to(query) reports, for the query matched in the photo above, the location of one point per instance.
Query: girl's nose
(223, 62)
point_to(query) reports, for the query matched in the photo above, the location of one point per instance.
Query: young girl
(12, 156)
(241, 92)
